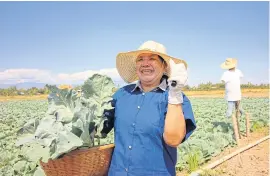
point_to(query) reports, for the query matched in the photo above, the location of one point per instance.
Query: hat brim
(126, 63)
(224, 66)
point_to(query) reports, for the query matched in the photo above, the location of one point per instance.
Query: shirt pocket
(152, 130)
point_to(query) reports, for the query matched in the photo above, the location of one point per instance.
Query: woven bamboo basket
(93, 161)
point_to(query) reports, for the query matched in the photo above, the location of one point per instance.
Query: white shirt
(232, 84)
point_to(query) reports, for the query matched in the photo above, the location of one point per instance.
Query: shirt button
(139, 107)
(143, 93)
(133, 124)
(130, 147)
(126, 169)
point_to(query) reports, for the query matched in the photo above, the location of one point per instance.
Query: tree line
(13, 91)
(221, 86)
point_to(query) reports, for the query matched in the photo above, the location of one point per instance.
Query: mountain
(25, 85)
(28, 85)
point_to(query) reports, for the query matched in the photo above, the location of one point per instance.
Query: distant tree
(187, 87)
(32, 91)
(11, 91)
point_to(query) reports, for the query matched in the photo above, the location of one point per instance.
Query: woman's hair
(164, 76)
(161, 59)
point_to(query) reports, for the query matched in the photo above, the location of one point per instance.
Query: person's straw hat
(64, 86)
(229, 63)
(126, 61)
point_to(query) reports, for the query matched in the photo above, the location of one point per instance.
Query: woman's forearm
(175, 126)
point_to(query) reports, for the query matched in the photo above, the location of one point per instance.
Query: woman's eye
(139, 59)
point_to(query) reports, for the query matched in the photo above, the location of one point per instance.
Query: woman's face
(149, 68)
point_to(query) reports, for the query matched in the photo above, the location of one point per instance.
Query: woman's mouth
(147, 71)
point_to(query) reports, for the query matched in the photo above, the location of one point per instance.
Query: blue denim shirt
(138, 121)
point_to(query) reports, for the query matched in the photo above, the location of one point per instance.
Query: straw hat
(126, 61)
(229, 63)
(64, 86)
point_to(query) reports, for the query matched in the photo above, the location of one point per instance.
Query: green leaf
(65, 143)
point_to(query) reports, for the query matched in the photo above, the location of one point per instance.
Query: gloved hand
(178, 76)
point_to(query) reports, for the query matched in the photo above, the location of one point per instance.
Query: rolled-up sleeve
(189, 117)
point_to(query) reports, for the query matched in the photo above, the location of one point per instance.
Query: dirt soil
(251, 162)
(220, 93)
(22, 97)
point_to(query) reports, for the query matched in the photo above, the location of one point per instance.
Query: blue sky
(67, 41)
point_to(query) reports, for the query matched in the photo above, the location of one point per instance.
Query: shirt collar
(162, 86)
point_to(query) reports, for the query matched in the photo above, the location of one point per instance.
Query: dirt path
(252, 162)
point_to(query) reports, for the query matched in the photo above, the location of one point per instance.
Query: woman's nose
(145, 62)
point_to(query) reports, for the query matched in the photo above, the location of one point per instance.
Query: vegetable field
(214, 132)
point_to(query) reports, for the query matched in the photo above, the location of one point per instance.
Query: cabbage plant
(73, 120)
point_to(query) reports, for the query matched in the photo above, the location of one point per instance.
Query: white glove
(178, 75)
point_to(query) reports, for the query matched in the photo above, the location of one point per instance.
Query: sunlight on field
(220, 93)
(34, 97)
(212, 93)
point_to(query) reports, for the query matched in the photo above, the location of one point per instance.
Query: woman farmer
(152, 116)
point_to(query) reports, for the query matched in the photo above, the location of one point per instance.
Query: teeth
(147, 71)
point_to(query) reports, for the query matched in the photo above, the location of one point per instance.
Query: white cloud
(13, 76)
(24, 75)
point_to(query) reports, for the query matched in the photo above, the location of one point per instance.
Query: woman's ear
(165, 65)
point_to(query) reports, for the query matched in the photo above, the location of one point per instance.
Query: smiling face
(149, 69)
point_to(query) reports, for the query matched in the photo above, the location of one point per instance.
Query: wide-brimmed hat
(229, 63)
(126, 61)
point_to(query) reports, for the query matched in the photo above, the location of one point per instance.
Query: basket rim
(77, 151)
(100, 147)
